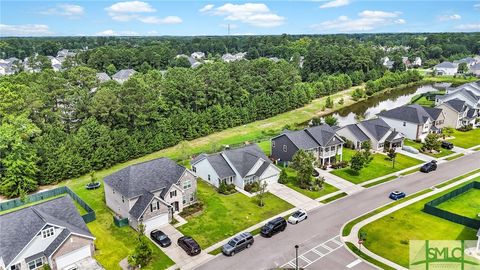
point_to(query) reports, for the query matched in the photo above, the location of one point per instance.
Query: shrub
(283, 179)
(192, 209)
(252, 188)
(226, 189)
(466, 128)
(339, 165)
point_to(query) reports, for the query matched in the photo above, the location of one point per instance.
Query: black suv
(447, 145)
(160, 238)
(428, 167)
(238, 243)
(189, 245)
(273, 226)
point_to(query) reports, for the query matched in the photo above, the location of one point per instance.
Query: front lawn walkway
(466, 139)
(379, 166)
(293, 184)
(225, 215)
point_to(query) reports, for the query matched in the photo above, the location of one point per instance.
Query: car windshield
(296, 214)
(232, 243)
(162, 237)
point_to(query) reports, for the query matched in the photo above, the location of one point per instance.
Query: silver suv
(238, 243)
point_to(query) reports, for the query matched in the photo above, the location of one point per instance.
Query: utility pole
(229, 29)
(296, 257)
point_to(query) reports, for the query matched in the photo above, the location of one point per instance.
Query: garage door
(271, 179)
(72, 257)
(156, 222)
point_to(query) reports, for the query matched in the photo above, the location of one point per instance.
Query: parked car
(429, 167)
(447, 145)
(160, 238)
(297, 216)
(273, 226)
(238, 243)
(190, 246)
(397, 195)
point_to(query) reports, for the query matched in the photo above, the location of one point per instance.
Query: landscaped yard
(292, 183)
(466, 139)
(389, 236)
(443, 152)
(467, 204)
(266, 147)
(379, 166)
(225, 215)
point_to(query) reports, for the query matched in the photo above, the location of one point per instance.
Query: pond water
(368, 108)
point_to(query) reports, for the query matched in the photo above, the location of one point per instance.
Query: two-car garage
(66, 261)
(156, 222)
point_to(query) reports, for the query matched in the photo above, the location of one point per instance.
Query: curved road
(324, 223)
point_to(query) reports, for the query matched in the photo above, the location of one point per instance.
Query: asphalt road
(325, 222)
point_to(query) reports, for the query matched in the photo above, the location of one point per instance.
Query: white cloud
(449, 17)
(469, 27)
(134, 10)
(111, 32)
(335, 3)
(206, 8)
(367, 20)
(256, 14)
(25, 30)
(477, 6)
(67, 10)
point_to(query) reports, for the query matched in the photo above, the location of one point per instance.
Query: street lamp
(296, 257)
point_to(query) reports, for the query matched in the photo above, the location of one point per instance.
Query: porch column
(478, 245)
(341, 152)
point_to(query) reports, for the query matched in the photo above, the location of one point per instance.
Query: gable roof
(457, 104)
(220, 165)
(139, 207)
(377, 127)
(152, 175)
(103, 77)
(322, 134)
(301, 139)
(446, 65)
(357, 132)
(18, 228)
(413, 113)
(123, 74)
(244, 158)
(313, 137)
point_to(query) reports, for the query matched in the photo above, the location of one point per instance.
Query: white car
(297, 216)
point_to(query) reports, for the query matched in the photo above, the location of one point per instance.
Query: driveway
(177, 254)
(291, 196)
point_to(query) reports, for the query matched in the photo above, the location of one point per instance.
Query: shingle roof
(471, 113)
(103, 77)
(262, 168)
(433, 112)
(457, 104)
(313, 137)
(140, 205)
(153, 175)
(220, 165)
(322, 134)
(56, 243)
(123, 74)
(446, 65)
(301, 139)
(244, 158)
(357, 132)
(19, 227)
(377, 127)
(410, 113)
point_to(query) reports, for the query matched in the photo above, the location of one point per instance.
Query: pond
(368, 108)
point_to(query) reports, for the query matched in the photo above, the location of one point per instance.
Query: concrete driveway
(291, 196)
(177, 254)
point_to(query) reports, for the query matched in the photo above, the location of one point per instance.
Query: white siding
(203, 168)
(114, 201)
(409, 130)
(271, 174)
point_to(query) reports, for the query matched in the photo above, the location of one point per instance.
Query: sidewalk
(292, 197)
(340, 183)
(353, 236)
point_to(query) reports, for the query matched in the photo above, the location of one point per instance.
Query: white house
(198, 55)
(414, 121)
(123, 75)
(446, 68)
(238, 166)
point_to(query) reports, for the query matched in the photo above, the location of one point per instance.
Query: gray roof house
(376, 131)
(458, 113)
(239, 166)
(51, 232)
(446, 68)
(150, 192)
(414, 121)
(103, 77)
(123, 75)
(323, 141)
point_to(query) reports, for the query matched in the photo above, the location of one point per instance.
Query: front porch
(328, 155)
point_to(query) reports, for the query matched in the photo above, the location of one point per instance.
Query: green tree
(303, 163)
(357, 162)
(111, 69)
(261, 193)
(283, 178)
(317, 121)
(392, 154)
(331, 120)
(142, 253)
(462, 68)
(447, 131)
(431, 143)
(329, 102)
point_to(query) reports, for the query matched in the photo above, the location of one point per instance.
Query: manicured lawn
(466, 139)
(390, 235)
(292, 183)
(467, 204)
(423, 101)
(112, 243)
(443, 152)
(225, 215)
(266, 147)
(379, 166)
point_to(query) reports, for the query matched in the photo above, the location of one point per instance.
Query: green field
(379, 166)
(467, 204)
(443, 152)
(292, 183)
(466, 139)
(225, 215)
(389, 236)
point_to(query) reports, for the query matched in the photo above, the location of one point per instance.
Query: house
(103, 77)
(194, 62)
(414, 121)
(51, 232)
(322, 141)
(380, 135)
(63, 54)
(123, 75)
(469, 61)
(387, 63)
(198, 55)
(466, 93)
(446, 68)
(475, 69)
(150, 192)
(56, 64)
(239, 166)
(417, 62)
(233, 57)
(405, 61)
(8, 66)
(457, 113)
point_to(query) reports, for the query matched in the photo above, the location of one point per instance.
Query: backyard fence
(432, 209)
(88, 217)
(120, 222)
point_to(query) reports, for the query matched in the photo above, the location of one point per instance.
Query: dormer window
(48, 232)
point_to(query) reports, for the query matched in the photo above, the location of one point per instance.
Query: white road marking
(352, 264)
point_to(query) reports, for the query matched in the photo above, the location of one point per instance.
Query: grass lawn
(443, 152)
(423, 101)
(467, 204)
(390, 235)
(266, 147)
(466, 139)
(225, 215)
(292, 183)
(333, 198)
(379, 166)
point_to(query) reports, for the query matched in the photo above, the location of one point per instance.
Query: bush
(252, 188)
(339, 165)
(283, 179)
(192, 209)
(226, 189)
(466, 128)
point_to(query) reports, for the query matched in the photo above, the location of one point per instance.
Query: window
(284, 148)
(154, 206)
(209, 177)
(192, 197)
(184, 199)
(113, 191)
(187, 184)
(173, 194)
(48, 232)
(273, 143)
(35, 263)
(380, 145)
(332, 148)
(194, 169)
(123, 199)
(404, 123)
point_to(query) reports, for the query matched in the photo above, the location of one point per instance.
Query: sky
(195, 18)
